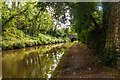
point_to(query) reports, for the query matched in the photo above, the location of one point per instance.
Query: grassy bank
(14, 39)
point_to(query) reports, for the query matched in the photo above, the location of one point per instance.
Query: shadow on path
(79, 62)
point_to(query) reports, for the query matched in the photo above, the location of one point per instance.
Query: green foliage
(28, 24)
(91, 25)
(32, 18)
(17, 39)
(71, 44)
(86, 20)
(19, 45)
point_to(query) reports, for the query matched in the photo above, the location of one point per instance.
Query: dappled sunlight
(60, 39)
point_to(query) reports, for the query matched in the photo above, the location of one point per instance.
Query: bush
(19, 45)
(21, 40)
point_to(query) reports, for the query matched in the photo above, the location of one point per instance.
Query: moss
(110, 56)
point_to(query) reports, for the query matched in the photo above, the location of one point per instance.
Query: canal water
(32, 62)
(56, 60)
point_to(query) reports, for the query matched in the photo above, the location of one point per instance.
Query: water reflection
(33, 62)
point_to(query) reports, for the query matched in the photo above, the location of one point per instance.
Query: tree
(86, 20)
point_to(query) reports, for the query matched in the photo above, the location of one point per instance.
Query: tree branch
(94, 21)
(13, 16)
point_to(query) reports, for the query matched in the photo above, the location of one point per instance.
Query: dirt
(80, 62)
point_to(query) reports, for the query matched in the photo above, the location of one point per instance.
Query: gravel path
(79, 62)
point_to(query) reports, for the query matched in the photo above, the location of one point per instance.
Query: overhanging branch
(13, 16)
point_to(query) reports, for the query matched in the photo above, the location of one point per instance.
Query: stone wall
(113, 33)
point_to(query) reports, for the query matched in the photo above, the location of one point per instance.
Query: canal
(32, 62)
(55, 61)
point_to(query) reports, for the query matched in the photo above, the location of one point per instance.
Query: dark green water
(32, 62)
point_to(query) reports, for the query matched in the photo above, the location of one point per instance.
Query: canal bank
(21, 40)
